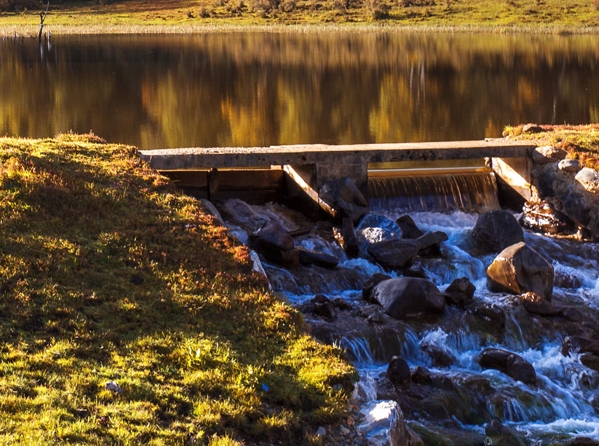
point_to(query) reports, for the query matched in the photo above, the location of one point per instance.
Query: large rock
(430, 243)
(408, 227)
(394, 254)
(275, 244)
(573, 194)
(509, 363)
(404, 297)
(544, 218)
(460, 292)
(496, 230)
(519, 269)
(344, 196)
(309, 257)
(384, 424)
(548, 154)
(398, 371)
(577, 208)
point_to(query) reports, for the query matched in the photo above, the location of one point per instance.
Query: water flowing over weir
(450, 399)
(469, 192)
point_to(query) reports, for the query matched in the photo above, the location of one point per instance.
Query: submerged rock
(404, 297)
(519, 269)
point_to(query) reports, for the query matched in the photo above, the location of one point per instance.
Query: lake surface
(255, 89)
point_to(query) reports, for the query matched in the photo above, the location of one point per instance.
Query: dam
(261, 173)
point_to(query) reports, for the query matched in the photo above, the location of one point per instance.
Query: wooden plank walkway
(303, 154)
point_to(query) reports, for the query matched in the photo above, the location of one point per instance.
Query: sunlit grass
(580, 141)
(128, 316)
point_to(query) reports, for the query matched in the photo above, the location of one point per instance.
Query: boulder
(403, 297)
(509, 363)
(569, 165)
(496, 230)
(408, 227)
(370, 283)
(460, 292)
(323, 259)
(421, 375)
(519, 269)
(320, 306)
(577, 208)
(544, 218)
(548, 154)
(383, 424)
(274, 243)
(439, 356)
(344, 196)
(588, 178)
(398, 371)
(394, 254)
(430, 243)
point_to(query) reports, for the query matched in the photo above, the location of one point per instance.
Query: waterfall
(468, 192)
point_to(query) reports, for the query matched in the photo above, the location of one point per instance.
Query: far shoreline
(8, 31)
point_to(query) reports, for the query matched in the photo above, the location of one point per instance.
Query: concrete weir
(306, 168)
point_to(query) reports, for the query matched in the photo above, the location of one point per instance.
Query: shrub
(376, 9)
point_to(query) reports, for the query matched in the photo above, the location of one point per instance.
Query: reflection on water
(246, 89)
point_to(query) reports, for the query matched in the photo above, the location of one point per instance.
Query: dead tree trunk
(43, 15)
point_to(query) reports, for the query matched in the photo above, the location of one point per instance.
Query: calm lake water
(247, 89)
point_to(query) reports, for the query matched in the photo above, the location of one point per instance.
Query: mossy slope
(109, 274)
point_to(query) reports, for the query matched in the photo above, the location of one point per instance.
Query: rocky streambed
(466, 328)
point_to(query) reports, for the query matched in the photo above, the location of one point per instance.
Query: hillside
(129, 316)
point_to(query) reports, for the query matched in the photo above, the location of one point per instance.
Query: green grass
(579, 141)
(189, 16)
(107, 273)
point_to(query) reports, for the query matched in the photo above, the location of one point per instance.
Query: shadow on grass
(110, 274)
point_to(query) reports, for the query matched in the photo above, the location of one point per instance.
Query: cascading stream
(451, 398)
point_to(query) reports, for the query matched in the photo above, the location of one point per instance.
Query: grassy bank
(188, 16)
(579, 141)
(128, 316)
